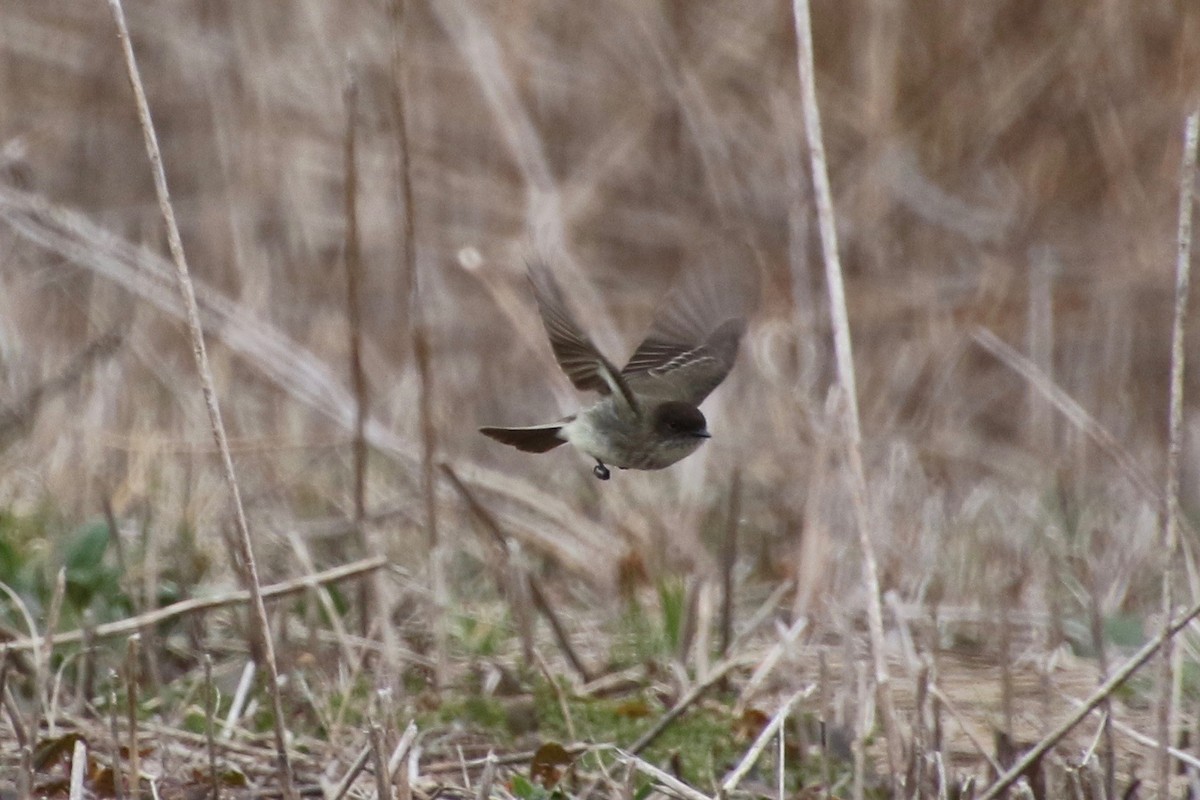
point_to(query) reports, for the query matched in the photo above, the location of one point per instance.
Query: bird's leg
(601, 471)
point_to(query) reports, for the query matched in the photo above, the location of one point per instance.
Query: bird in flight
(647, 416)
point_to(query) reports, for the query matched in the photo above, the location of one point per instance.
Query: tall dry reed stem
(249, 572)
(352, 260)
(845, 371)
(421, 347)
(1170, 505)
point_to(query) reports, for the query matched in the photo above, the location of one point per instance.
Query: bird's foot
(601, 471)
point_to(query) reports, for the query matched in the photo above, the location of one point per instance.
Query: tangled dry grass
(1006, 180)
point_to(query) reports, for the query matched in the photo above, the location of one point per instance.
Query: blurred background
(998, 166)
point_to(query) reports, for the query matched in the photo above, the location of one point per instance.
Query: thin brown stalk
(419, 331)
(184, 607)
(437, 565)
(862, 727)
(1006, 672)
(691, 619)
(118, 545)
(6, 660)
(86, 687)
(1108, 751)
(210, 713)
(383, 785)
(244, 543)
(561, 637)
(352, 260)
(520, 602)
(823, 717)
(845, 371)
(1170, 510)
(559, 695)
(131, 709)
(114, 737)
(729, 550)
(22, 734)
(919, 749)
(404, 167)
(150, 592)
(41, 706)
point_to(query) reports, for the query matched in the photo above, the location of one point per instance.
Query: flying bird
(648, 415)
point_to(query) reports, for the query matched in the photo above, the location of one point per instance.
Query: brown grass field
(1006, 179)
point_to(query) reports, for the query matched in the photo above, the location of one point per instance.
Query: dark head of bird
(677, 420)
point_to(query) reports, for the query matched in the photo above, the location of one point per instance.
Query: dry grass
(1002, 172)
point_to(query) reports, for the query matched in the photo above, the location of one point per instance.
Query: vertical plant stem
(1170, 511)
(845, 371)
(131, 711)
(1006, 677)
(729, 549)
(352, 258)
(114, 536)
(210, 713)
(561, 637)
(383, 781)
(87, 666)
(44, 662)
(79, 761)
(437, 565)
(115, 734)
(1040, 342)
(404, 171)
(1108, 752)
(21, 734)
(244, 545)
(421, 347)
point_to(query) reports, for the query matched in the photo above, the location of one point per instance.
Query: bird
(648, 414)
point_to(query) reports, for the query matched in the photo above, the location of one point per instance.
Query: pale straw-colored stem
(249, 567)
(845, 371)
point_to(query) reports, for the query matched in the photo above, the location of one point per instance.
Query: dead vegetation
(1006, 179)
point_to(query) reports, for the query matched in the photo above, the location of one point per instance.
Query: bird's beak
(702, 435)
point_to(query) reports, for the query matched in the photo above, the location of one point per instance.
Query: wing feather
(586, 367)
(694, 340)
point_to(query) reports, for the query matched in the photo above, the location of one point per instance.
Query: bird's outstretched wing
(587, 368)
(683, 370)
(694, 340)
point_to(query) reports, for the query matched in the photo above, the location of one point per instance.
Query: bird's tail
(533, 439)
